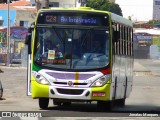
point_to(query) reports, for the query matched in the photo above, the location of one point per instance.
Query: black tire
(105, 106)
(120, 102)
(43, 103)
(1, 90)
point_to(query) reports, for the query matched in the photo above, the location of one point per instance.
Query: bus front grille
(65, 83)
(70, 91)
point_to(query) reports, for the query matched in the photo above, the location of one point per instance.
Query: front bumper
(73, 93)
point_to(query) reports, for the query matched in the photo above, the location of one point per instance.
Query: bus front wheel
(105, 105)
(43, 103)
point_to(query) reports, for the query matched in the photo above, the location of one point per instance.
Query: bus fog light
(98, 94)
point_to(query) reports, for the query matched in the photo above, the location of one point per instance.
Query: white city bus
(65, 65)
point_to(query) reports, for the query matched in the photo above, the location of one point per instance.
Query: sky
(139, 10)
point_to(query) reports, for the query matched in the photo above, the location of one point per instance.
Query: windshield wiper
(57, 33)
(83, 40)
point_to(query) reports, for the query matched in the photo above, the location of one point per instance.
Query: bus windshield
(71, 48)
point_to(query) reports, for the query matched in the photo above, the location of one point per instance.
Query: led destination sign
(78, 20)
(73, 19)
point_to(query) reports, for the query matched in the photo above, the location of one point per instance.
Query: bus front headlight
(101, 81)
(39, 78)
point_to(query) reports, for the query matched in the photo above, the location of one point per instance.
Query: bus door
(28, 42)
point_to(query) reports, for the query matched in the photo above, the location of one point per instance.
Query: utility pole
(8, 35)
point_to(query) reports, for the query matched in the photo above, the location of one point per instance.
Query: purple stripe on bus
(69, 75)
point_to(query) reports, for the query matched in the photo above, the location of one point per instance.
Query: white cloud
(140, 10)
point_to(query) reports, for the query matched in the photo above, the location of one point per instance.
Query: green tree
(104, 5)
(152, 22)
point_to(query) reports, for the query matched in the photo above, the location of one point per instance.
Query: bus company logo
(70, 83)
(6, 114)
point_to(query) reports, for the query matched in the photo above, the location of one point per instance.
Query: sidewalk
(12, 66)
(140, 68)
(147, 65)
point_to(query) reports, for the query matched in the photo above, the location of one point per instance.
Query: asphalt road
(144, 98)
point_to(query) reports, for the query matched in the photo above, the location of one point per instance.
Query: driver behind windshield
(49, 46)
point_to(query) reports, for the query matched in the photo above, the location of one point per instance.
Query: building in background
(67, 3)
(55, 3)
(22, 13)
(62, 3)
(156, 9)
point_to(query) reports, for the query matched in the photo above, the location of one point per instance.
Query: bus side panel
(130, 77)
(112, 89)
(123, 76)
(118, 85)
(115, 76)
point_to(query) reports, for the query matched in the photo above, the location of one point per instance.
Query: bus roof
(120, 19)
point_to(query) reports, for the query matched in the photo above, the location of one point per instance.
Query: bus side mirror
(116, 36)
(28, 40)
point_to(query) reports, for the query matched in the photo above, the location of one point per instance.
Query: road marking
(29, 118)
(142, 73)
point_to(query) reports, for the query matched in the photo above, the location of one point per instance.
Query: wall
(65, 3)
(4, 14)
(25, 15)
(17, 38)
(156, 9)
